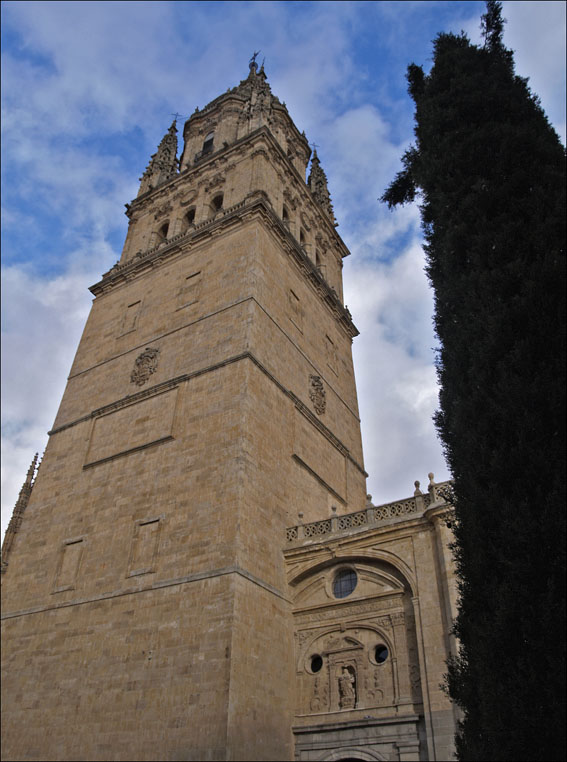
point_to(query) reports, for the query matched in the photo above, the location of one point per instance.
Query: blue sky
(89, 89)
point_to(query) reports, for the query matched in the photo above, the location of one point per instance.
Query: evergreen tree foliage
(490, 174)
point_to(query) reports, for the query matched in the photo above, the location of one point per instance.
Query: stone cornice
(189, 578)
(256, 204)
(172, 383)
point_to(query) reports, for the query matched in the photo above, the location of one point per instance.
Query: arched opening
(162, 233)
(216, 204)
(302, 237)
(188, 220)
(285, 217)
(208, 144)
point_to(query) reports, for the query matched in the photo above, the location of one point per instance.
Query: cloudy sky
(89, 89)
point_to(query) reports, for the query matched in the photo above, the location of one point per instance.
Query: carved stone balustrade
(371, 515)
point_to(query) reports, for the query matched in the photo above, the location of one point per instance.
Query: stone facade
(169, 586)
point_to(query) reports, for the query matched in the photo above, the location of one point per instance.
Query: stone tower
(211, 402)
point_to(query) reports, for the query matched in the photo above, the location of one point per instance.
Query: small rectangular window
(68, 565)
(331, 351)
(144, 549)
(296, 310)
(190, 290)
(130, 320)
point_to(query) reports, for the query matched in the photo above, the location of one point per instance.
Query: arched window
(216, 204)
(162, 233)
(285, 216)
(188, 220)
(302, 237)
(208, 144)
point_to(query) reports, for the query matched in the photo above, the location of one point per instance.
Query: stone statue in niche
(144, 366)
(317, 394)
(347, 692)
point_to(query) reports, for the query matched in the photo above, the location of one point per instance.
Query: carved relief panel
(353, 668)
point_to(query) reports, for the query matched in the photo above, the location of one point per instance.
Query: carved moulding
(144, 365)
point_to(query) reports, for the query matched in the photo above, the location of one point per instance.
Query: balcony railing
(372, 514)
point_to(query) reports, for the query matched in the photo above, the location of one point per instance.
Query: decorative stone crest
(163, 210)
(144, 366)
(317, 394)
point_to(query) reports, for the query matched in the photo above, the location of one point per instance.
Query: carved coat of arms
(144, 366)
(317, 394)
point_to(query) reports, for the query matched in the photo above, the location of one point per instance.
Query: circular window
(380, 654)
(344, 583)
(316, 663)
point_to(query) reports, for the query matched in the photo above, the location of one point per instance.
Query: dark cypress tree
(490, 174)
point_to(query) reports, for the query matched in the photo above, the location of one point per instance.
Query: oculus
(344, 583)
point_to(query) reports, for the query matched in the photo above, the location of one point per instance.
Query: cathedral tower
(211, 402)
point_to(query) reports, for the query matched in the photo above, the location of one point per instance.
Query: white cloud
(103, 72)
(42, 324)
(392, 304)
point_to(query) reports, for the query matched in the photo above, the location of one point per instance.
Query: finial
(252, 63)
(431, 488)
(417, 490)
(177, 116)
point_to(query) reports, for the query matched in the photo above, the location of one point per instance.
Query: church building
(195, 570)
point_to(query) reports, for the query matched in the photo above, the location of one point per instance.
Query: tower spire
(163, 164)
(317, 182)
(18, 513)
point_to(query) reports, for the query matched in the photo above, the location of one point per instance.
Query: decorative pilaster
(317, 182)
(163, 164)
(400, 639)
(18, 513)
